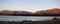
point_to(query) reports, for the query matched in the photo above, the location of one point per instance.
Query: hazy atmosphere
(28, 5)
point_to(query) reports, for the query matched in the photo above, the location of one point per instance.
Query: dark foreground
(31, 22)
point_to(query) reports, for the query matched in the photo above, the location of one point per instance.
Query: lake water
(21, 18)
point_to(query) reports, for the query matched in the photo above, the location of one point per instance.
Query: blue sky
(28, 5)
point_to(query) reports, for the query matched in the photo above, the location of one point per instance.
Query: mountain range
(54, 11)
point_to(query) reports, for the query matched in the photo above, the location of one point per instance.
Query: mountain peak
(54, 11)
(55, 8)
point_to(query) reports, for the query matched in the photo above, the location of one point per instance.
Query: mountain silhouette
(54, 11)
(49, 11)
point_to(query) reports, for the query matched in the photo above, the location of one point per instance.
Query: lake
(21, 18)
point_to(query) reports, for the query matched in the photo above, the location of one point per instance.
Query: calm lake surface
(21, 18)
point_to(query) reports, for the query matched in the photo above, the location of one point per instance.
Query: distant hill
(54, 11)
(48, 12)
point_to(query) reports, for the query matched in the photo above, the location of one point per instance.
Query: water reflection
(20, 18)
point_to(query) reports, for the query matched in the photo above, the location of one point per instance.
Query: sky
(29, 5)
